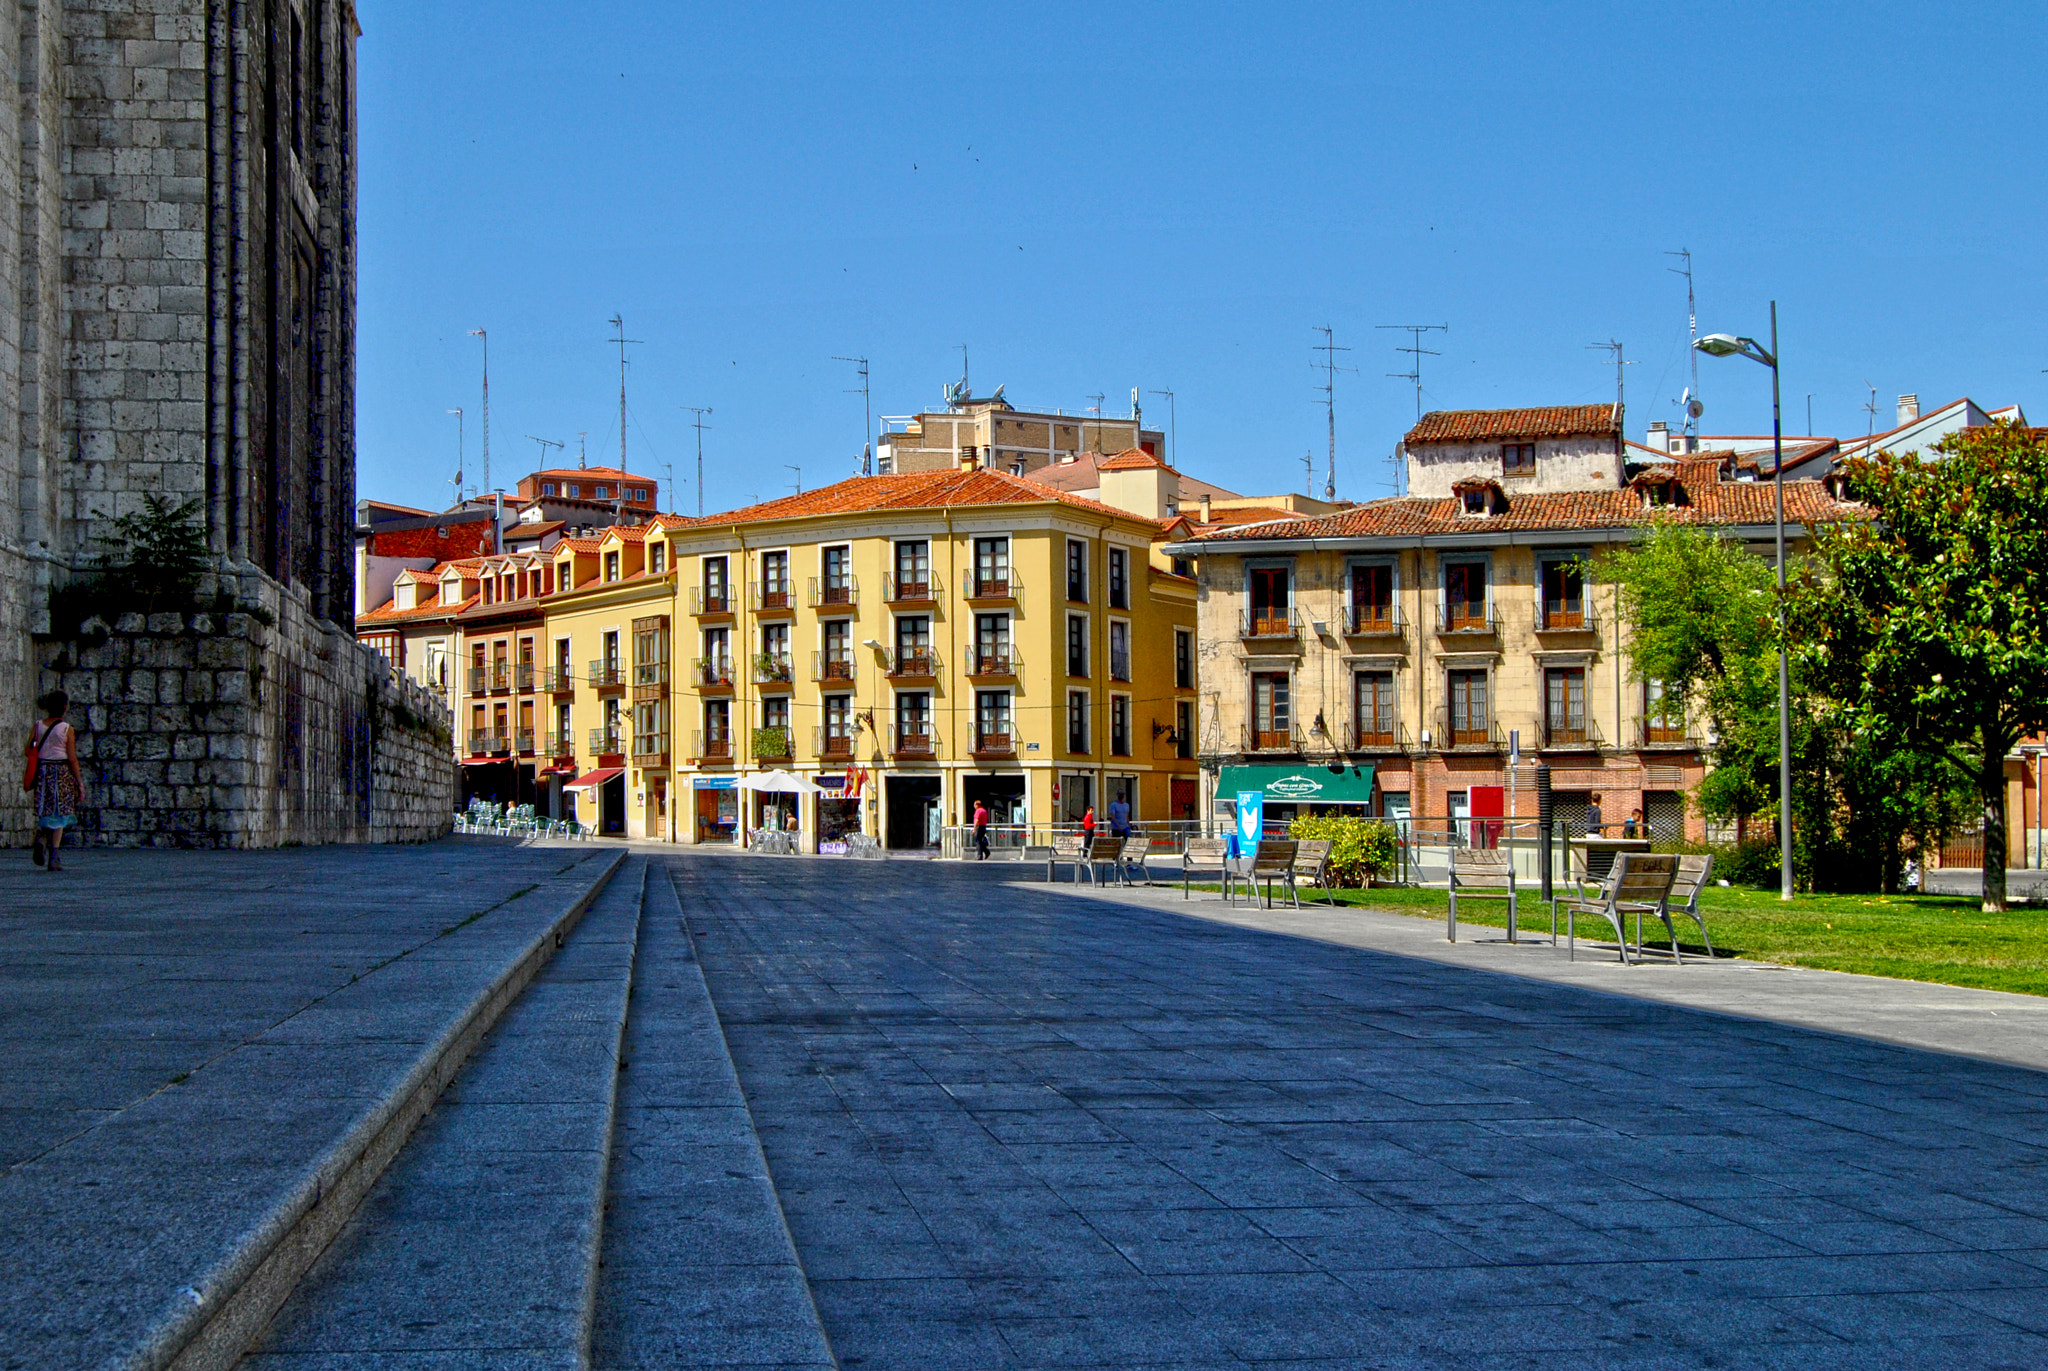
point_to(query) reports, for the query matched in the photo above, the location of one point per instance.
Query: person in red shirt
(1088, 826)
(980, 831)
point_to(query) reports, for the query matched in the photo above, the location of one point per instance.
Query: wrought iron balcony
(1374, 621)
(716, 748)
(522, 742)
(827, 666)
(561, 745)
(994, 663)
(773, 671)
(832, 746)
(522, 677)
(1469, 734)
(605, 742)
(557, 680)
(711, 673)
(1004, 589)
(1566, 616)
(710, 600)
(1264, 627)
(917, 663)
(1467, 616)
(918, 592)
(1272, 740)
(772, 599)
(995, 742)
(606, 676)
(834, 593)
(916, 739)
(1366, 738)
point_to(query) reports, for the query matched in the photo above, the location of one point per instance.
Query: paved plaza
(1012, 1126)
(686, 1110)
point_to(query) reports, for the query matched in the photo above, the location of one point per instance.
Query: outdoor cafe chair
(1312, 866)
(1640, 883)
(1274, 862)
(1207, 854)
(1484, 874)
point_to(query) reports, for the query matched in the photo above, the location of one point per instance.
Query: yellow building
(915, 644)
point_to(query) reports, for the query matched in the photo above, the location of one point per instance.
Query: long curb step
(482, 1240)
(236, 1300)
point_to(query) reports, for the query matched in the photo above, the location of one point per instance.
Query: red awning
(594, 778)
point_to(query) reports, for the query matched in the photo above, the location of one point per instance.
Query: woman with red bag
(53, 776)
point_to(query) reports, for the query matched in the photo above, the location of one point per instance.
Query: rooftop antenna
(1137, 410)
(1308, 475)
(799, 476)
(1870, 428)
(867, 433)
(1620, 405)
(699, 426)
(619, 325)
(960, 392)
(1172, 427)
(1691, 402)
(582, 457)
(1095, 409)
(1809, 414)
(1417, 352)
(1328, 347)
(457, 482)
(545, 444)
(479, 333)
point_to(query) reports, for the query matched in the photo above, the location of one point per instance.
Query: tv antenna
(799, 476)
(582, 457)
(457, 482)
(867, 432)
(1620, 406)
(1691, 400)
(1172, 427)
(1870, 429)
(545, 444)
(1416, 352)
(700, 426)
(1308, 474)
(1328, 347)
(485, 338)
(619, 325)
(960, 392)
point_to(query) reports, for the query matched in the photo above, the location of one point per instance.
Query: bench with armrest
(1206, 854)
(1640, 883)
(1693, 874)
(1066, 847)
(1104, 849)
(1482, 874)
(1312, 866)
(1137, 847)
(1274, 862)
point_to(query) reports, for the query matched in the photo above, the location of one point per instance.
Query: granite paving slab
(1019, 1126)
(204, 1081)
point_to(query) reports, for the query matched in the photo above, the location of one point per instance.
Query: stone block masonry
(249, 730)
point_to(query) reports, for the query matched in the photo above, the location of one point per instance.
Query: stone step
(699, 1269)
(169, 1228)
(480, 1244)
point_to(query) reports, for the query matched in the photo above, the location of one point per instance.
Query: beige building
(993, 435)
(1388, 652)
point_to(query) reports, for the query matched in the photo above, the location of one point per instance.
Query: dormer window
(1476, 497)
(611, 566)
(1518, 459)
(1476, 501)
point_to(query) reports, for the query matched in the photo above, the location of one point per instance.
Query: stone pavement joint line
(214, 1055)
(1014, 1127)
(699, 1269)
(482, 1238)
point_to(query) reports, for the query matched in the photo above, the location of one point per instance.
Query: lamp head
(1720, 345)
(871, 642)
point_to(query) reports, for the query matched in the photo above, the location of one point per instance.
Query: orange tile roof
(914, 490)
(1550, 421)
(1713, 502)
(389, 613)
(594, 474)
(576, 545)
(1133, 459)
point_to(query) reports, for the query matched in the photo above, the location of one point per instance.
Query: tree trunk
(1991, 787)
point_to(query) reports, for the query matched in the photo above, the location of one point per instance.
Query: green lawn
(1910, 937)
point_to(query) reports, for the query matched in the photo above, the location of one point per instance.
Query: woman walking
(53, 776)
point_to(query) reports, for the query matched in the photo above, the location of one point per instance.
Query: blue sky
(1173, 197)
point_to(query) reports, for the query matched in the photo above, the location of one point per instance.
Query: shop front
(717, 808)
(839, 816)
(1292, 792)
(600, 797)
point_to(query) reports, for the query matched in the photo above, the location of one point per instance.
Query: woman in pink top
(58, 783)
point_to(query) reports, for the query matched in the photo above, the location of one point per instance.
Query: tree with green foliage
(1931, 619)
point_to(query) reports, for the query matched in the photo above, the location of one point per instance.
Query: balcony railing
(606, 676)
(831, 745)
(522, 677)
(488, 744)
(772, 671)
(916, 739)
(994, 742)
(711, 673)
(522, 742)
(501, 675)
(1571, 733)
(650, 749)
(772, 599)
(1374, 621)
(1271, 740)
(833, 593)
(716, 748)
(1376, 739)
(1469, 735)
(917, 663)
(605, 742)
(991, 588)
(710, 600)
(1001, 661)
(1566, 616)
(918, 592)
(830, 667)
(1271, 624)
(561, 745)
(1674, 734)
(557, 680)
(1467, 616)
(478, 680)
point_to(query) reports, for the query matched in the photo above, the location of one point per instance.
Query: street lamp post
(1725, 345)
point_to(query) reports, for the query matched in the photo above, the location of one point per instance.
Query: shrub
(1359, 848)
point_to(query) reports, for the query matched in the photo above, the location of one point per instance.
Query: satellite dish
(1695, 408)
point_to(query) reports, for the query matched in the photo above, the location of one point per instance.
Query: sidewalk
(213, 1054)
(1991, 1025)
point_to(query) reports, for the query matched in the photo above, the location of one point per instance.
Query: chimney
(1205, 507)
(1909, 408)
(967, 459)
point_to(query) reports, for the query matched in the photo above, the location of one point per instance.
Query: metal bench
(1066, 847)
(1482, 874)
(1312, 866)
(1103, 850)
(1640, 883)
(1272, 863)
(1208, 854)
(1137, 847)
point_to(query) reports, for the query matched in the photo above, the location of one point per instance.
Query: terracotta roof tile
(1713, 502)
(1134, 459)
(1551, 421)
(576, 545)
(913, 490)
(389, 613)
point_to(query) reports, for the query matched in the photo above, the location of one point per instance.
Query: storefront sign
(714, 782)
(1301, 784)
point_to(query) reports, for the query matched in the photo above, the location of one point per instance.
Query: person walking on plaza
(52, 775)
(980, 831)
(1088, 826)
(1119, 818)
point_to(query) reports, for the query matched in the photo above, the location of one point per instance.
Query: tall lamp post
(1726, 345)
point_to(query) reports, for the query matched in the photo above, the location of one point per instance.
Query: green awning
(1313, 783)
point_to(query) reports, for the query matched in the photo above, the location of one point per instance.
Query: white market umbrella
(780, 782)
